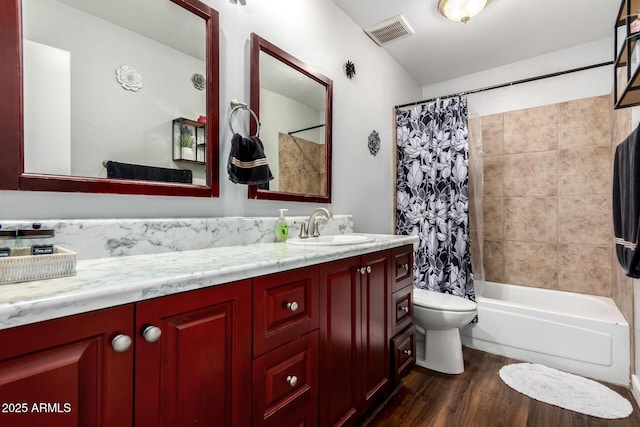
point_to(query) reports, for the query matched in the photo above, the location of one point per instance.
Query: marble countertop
(107, 282)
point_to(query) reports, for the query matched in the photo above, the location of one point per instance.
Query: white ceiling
(506, 31)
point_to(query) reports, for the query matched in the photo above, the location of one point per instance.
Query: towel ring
(237, 105)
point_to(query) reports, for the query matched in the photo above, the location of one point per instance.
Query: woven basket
(21, 266)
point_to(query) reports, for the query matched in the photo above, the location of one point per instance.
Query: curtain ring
(244, 107)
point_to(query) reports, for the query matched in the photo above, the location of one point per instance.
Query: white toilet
(438, 318)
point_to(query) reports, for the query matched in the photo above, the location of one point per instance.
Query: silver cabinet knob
(293, 306)
(407, 352)
(405, 266)
(292, 380)
(368, 269)
(121, 343)
(404, 308)
(151, 333)
(363, 270)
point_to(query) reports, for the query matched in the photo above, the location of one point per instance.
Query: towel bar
(238, 105)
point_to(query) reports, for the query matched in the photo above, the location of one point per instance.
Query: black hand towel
(626, 203)
(247, 162)
(148, 173)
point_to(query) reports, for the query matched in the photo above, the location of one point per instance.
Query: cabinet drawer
(285, 306)
(402, 267)
(285, 384)
(402, 306)
(404, 353)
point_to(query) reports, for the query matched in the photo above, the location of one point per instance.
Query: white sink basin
(336, 240)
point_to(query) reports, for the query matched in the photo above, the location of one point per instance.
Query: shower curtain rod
(501, 85)
(309, 128)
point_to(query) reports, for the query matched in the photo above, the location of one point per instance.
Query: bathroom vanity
(261, 334)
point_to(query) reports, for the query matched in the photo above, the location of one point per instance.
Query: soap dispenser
(282, 229)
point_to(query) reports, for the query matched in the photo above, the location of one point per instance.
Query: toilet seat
(439, 301)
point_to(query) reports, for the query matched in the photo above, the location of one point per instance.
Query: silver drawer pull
(121, 343)
(407, 352)
(404, 308)
(292, 380)
(293, 306)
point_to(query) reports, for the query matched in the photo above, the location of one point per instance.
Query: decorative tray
(21, 266)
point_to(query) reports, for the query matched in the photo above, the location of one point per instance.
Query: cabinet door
(339, 342)
(199, 371)
(375, 360)
(65, 372)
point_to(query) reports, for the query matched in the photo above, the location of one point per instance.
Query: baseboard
(635, 388)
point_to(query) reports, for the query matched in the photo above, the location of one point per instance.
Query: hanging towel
(247, 162)
(148, 173)
(626, 203)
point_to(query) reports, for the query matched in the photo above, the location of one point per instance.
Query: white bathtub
(582, 334)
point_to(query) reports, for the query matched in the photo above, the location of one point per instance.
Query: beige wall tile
(492, 135)
(585, 122)
(493, 176)
(585, 171)
(493, 261)
(585, 269)
(533, 129)
(492, 216)
(585, 220)
(531, 219)
(621, 127)
(531, 175)
(622, 289)
(531, 264)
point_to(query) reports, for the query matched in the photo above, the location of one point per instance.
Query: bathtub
(582, 334)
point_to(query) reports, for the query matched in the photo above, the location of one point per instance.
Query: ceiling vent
(392, 29)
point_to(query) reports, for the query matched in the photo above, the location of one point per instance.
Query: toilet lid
(440, 301)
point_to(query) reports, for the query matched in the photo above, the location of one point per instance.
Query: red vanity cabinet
(198, 371)
(318, 345)
(66, 372)
(401, 327)
(286, 316)
(354, 340)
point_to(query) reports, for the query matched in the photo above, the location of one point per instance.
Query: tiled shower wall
(547, 196)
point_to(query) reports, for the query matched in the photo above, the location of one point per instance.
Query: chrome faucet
(312, 224)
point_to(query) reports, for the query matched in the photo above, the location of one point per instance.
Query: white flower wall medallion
(374, 143)
(198, 81)
(129, 78)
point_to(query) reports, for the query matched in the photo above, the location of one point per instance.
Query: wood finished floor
(479, 398)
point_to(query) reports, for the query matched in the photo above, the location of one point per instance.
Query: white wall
(318, 33)
(578, 85)
(47, 109)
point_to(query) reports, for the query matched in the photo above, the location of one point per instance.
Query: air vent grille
(392, 29)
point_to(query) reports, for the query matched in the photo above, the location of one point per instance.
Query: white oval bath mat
(565, 390)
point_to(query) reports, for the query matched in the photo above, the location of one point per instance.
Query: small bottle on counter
(7, 242)
(38, 239)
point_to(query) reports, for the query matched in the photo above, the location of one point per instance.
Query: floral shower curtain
(433, 193)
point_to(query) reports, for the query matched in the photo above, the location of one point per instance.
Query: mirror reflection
(292, 118)
(294, 104)
(114, 89)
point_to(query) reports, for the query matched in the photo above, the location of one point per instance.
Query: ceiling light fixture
(461, 10)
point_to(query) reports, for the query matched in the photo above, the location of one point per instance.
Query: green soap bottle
(282, 229)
